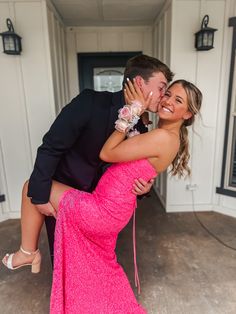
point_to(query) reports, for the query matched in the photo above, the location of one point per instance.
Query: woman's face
(174, 104)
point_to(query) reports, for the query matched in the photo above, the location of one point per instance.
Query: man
(70, 149)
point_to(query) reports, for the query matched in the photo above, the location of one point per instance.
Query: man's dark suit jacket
(70, 149)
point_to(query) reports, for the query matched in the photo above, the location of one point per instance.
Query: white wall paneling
(73, 81)
(58, 55)
(173, 43)
(206, 70)
(4, 206)
(168, 35)
(154, 40)
(222, 203)
(26, 108)
(161, 48)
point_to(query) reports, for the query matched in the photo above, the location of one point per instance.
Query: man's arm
(62, 135)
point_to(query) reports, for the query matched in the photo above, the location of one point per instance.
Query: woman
(87, 278)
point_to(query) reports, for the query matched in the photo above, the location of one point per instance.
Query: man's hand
(46, 209)
(141, 187)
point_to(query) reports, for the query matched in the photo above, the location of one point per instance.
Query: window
(108, 79)
(228, 175)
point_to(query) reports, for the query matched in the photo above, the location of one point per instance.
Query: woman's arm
(155, 143)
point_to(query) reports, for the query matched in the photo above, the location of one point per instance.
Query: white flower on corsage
(136, 107)
(121, 125)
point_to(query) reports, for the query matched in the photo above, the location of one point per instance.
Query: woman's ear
(187, 115)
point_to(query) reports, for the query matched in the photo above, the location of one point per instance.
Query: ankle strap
(28, 253)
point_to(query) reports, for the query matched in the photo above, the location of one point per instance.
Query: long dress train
(87, 278)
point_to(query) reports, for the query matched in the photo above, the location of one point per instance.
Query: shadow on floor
(181, 268)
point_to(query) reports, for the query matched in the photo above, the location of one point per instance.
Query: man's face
(156, 84)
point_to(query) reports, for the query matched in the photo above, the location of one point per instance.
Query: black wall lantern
(11, 41)
(204, 39)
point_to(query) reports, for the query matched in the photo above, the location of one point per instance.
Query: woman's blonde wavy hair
(194, 98)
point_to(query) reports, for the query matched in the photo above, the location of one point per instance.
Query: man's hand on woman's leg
(46, 209)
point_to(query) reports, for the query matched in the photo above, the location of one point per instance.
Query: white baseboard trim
(14, 215)
(201, 208)
(3, 218)
(9, 215)
(225, 211)
(188, 208)
(169, 209)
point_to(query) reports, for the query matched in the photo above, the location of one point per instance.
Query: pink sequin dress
(87, 278)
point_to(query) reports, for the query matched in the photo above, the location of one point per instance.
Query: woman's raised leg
(31, 224)
(32, 220)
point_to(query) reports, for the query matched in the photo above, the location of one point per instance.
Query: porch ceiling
(108, 12)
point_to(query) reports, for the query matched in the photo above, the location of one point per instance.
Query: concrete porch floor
(182, 269)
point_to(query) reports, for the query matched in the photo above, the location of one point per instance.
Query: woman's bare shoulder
(166, 140)
(162, 134)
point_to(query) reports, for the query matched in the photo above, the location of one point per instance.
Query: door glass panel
(108, 79)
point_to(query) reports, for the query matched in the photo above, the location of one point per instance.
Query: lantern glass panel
(9, 43)
(205, 39)
(210, 39)
(17, 45)
(199, 40)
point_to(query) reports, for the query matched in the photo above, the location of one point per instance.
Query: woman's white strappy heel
(35, 264)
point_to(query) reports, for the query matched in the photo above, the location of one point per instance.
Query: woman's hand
(132, 92)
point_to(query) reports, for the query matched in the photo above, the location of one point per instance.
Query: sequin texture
(87, 278)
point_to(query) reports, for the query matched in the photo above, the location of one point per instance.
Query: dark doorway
(102, 71)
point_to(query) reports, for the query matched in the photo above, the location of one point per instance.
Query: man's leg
(57, 190)
(50, 223)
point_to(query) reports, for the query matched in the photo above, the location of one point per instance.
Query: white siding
(161, 50)
(26, 107)
(57, 38)
(209, 70)
(221, 203)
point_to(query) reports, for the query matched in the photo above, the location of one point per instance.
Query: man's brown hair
(145, 66)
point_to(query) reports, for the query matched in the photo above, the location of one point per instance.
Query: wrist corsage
(128, 117)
